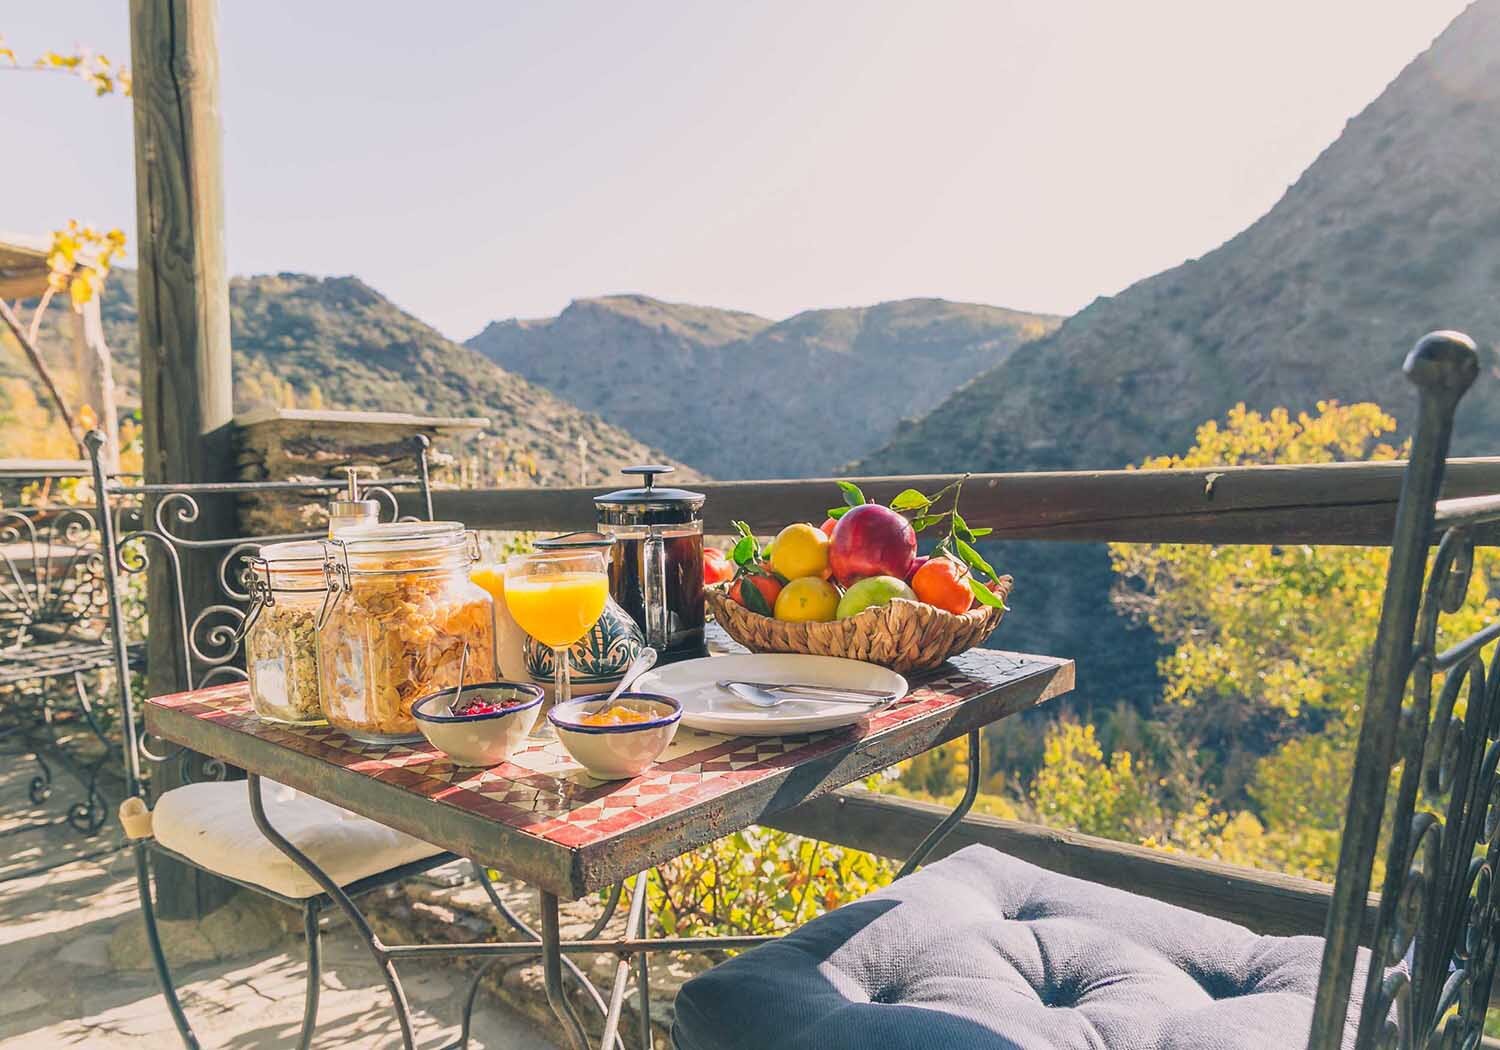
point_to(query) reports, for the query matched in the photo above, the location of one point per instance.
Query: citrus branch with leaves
(92, 68)
(957, 544)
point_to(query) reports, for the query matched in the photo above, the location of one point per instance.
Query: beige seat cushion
(211, 825)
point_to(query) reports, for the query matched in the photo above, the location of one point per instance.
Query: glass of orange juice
(557, 597)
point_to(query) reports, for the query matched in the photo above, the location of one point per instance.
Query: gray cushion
(985, 952)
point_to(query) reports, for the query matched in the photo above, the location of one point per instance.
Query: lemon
(808, 599)
(800, 550)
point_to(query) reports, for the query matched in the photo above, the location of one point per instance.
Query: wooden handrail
(1333, 503)
(890, 826)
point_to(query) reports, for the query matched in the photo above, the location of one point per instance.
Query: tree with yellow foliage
(79, 257)
(1268, 646)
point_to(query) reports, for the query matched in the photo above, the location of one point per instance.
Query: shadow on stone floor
(74, 970)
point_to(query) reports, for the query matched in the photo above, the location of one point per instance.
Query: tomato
(769, 587)
(828, 525)
(716, 567)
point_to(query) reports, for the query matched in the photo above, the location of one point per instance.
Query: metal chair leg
(158, 957)
(314, 972)
(336, 893)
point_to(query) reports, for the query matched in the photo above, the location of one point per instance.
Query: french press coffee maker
(656, 564)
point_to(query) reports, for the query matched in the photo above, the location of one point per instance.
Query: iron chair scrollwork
(53, 643)
(1432, 725)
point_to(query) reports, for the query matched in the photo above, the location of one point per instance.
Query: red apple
(871, 540)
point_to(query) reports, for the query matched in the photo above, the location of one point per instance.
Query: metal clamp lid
(649, 505)
(338, 576)
(303, 558)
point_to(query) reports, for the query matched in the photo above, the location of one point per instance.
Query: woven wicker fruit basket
(902, 635)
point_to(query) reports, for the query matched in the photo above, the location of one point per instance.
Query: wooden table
(538, 817)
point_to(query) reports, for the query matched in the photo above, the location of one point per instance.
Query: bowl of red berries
(484, 726)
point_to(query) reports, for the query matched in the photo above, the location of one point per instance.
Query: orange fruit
(769, 587)
(944, 583)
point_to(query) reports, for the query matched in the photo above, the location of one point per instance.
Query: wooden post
(186, 395)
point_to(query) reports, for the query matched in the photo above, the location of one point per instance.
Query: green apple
(874, 590)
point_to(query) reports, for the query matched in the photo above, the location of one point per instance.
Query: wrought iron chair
(216, 822)
(983, 951)
(53, 641)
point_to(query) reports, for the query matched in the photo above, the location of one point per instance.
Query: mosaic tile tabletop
(543, 795)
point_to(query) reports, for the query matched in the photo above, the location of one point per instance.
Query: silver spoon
(463, 663)
(639, 666)
(764, 698)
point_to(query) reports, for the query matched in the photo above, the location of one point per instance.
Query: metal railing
(1336, 504)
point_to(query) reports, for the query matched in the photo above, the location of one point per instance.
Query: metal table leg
(557, 995)
(314, 972)
(569, 966)
(936, 835)
(643, 966)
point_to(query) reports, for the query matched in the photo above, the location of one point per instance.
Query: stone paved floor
(73, 970)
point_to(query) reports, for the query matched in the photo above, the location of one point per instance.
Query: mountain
(337, 343)
(1392, 232)
(740, 396)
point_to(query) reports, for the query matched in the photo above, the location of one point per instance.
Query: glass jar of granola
(288, 590)
(401, 615)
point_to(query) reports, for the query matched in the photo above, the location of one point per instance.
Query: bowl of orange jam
(620, 739)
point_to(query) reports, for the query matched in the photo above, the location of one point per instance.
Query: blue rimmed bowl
(486, 739)
(617, 752)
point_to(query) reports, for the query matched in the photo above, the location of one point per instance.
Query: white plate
(705, 706)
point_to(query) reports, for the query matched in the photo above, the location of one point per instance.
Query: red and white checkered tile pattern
(543, 792)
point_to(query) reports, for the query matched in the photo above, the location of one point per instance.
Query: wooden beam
(186, 395)
(1335, 503)
(1267, 902)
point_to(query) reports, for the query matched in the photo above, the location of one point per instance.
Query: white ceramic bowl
(617, 752)
(480, 740)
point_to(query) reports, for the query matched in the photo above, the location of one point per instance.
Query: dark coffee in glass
(682, 550)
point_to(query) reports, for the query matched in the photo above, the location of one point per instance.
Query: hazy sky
(486, 159)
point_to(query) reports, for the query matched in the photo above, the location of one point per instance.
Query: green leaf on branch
(922, 521)
(838, 512)
(852, 494)
(754, 600)
(961, 528)
(979, 533)
(910, 499)
(743, 552)
(985, 595)
(971, 557)
(746, 551)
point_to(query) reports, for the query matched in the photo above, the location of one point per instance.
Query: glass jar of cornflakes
(287, 590)
(402, 615)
